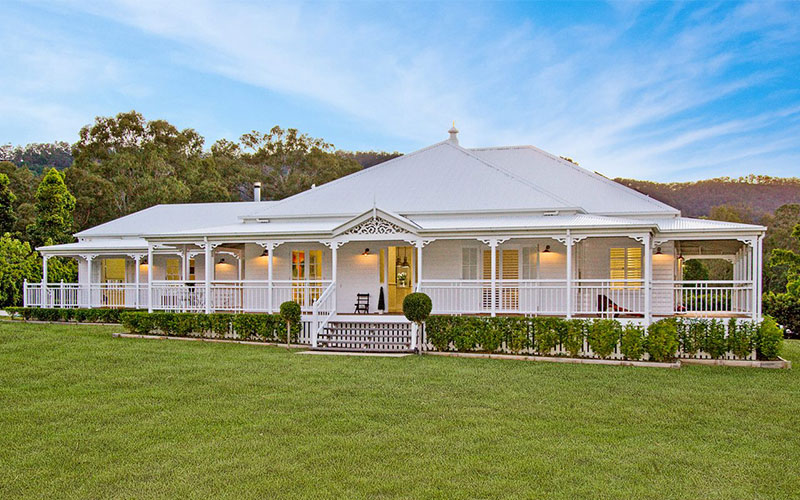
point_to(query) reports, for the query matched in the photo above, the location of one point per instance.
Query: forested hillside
(756, 194)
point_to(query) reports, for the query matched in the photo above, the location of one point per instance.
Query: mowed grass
(83, 414)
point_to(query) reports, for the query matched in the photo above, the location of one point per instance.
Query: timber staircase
(366, 336)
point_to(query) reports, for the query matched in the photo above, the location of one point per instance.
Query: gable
(376, 221)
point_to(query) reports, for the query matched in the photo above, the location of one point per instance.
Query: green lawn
(83, 414)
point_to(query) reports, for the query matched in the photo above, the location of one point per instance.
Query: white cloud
(644, 106)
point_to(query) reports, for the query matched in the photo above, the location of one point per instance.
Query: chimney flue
(257, 191)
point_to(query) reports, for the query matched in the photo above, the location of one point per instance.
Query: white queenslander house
(488, 231)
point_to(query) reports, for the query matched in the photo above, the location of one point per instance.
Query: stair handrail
(317, 325)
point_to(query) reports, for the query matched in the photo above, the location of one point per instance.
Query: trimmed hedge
(58, 314)
(662, 341)
(258, 327)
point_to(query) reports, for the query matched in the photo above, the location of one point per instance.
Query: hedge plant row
(259, 327)
(66, 314)
(662, 340)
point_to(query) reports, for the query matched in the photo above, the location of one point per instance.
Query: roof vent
(257, 191)
(453, 133)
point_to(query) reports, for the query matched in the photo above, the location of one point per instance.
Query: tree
(368, 158)
(288, 162)
(8, 218)
(731, 213)
(779, 236)
(17, 263)
(54, 208)
(22, 183)
(125, 163)
(791, 260)
(695, 270)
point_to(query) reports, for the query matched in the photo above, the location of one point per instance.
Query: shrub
(489, 333)
(516, 334)
(439, 331)
(546, 334)
(417, 307)
(80, 315)
(785, 309)
(45, 314)
(769, 340)
(714, 342)
(740, 338)
(603, 336)
(182, 324)
(631, 344)
(66, 314)
(661, 342)
(464, 333)
(220, 324)
(203, 325)
(260, 326)
(137, 322)
(573, 332)
(692, 334)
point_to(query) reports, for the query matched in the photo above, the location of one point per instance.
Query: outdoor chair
(604, 305)
(362, 303)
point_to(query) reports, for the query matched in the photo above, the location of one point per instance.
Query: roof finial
(453, 133)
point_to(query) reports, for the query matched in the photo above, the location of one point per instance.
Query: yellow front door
(400, 262)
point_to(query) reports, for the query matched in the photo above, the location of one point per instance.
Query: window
(113, 271)
(469, 263)
(173, 269)
(191, 270)
(625, 264)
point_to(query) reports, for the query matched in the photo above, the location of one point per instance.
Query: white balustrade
(706, 297)
(608, 297)
(322, 311)
(590, 298)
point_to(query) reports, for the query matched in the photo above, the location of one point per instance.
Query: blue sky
(664, 91)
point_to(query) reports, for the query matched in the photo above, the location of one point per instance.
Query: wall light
(658, 251)
(366, 251)
(221, 261)
(546, 249)
(265, 253)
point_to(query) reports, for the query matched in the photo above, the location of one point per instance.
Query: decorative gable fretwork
(376, 225)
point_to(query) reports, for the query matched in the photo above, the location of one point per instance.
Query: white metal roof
(122, 245)
(438, 179)
(578, 186)
(443, 187)
(675, 224)
(174, 218)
